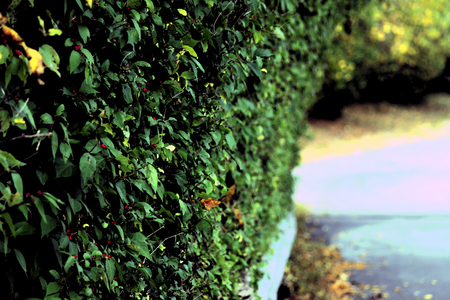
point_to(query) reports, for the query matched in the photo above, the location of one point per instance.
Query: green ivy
(152, 157)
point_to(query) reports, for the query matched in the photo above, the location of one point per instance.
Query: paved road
(391, 208)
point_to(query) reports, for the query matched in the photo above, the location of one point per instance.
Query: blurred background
(387, 77)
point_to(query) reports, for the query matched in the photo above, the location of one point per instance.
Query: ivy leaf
(75, 60)
(88, 165)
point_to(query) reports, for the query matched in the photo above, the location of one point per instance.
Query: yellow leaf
(190, 50)
(54, 31)
(85, 225)
(182, 12)
(264, 70)
(3, 19)
(35, 61)
(230, 192)
(12, 33)
(89, 2)
(108, 128)
(210, 203)
(19, 120)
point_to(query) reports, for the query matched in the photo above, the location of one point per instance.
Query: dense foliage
(147, 145)
(400, 43)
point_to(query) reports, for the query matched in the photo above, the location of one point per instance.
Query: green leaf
(188, 75)
(217, 136)
(43, 176)
(40, 208)
(10, 223)
(55, 274)
(150, 6)
(52, 288)
(134, 3)
(24, 228)
(185, 210)
(64, 169)
(110, 269)
(254, 67)
(230, 140)
(50, 57)
(120, 186)
(190, 50)
(75, 60)
(88, 54)
(54, 144)
(18, 184)
(60, 110)
(48, 226)
(84, 33)
(66, 150)
(152, 177)
(88, 165)
(127, 93)
(7, 160)
(46, 118)
(263, 52)
(21, 260)
(183, 153)
(141, 64)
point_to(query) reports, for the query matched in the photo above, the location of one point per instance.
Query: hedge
(403, 42)
(147, 145)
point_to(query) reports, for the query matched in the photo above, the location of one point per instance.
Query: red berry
(103, 146)
(154, 118)
(212, 241)
(113, 222)
(40, 193)
(73, 40)
(109, 242)
(114, 40)
(144, 90)
(28, 194)
(128, 8)
(74, 256)
(127, 67)
(103, 254)
(18, 52)
(95, 244)
(93, 18)
(160, 82)
(273, 49)
(109, 256)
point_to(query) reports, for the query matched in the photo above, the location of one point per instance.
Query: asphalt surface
(390, 208)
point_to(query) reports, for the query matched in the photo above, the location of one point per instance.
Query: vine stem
(166, 240)
(25, 136)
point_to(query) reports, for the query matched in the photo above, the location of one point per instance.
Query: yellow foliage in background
(413, 32)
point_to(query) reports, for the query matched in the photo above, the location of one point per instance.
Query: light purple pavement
(391, 208)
